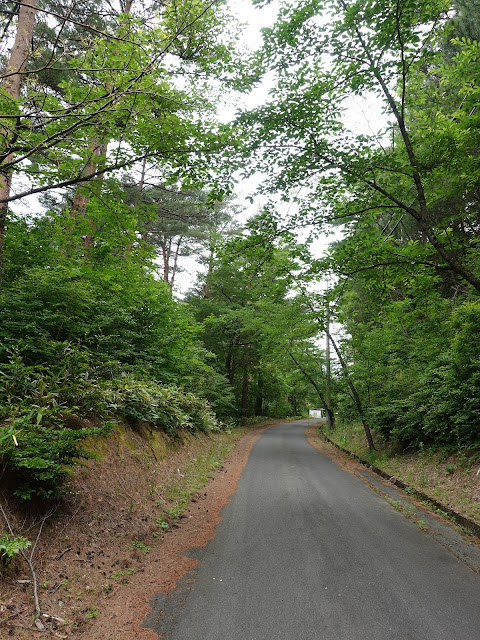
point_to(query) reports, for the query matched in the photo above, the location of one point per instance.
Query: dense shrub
(90, 340)
(164, 407)
(429, 395)
(43, 408)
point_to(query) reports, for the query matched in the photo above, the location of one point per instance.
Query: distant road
(308, 551)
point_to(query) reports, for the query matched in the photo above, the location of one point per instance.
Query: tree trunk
(97, 150)
(245, 380)
(259, 398)
(323, 400)
(355, 395)
(175, 263)
(80, 200)
(328, 381)
(230, 364)
(166, 262)
(231, 361)
(12, 85)
(206, 292)
(422, 215)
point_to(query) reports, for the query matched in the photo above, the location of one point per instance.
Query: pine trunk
(12, 85)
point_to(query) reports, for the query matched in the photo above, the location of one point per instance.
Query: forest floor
(118, 538)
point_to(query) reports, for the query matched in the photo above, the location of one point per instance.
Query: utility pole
(328, 395)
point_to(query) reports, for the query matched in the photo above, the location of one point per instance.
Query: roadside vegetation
(115, 168)
(86, 547)
(448, 475)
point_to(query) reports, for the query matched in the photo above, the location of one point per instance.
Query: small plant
(396, 504)
(450, 469)
(178, 507)
(92, 613)
(138, 544)
(10, 547)
(409, 511)
(163, 524)
(119, 574)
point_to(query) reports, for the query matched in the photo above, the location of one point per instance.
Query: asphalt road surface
(308, 551)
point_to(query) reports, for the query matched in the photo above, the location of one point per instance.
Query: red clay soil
(125, 612)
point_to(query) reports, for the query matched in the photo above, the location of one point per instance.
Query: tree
(12, 82)
(135, 86)
(254, 324)
(371, 49)
(179, 224)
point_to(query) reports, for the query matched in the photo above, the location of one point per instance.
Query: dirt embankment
(115, 540)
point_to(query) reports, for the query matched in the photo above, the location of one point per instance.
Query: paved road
(307, 551)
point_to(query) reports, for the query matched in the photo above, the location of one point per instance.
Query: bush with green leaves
(10, 547)
(168, 408)
(418, 367)
(45, 408)
(37, 405)
(90, 340)
(43, 450)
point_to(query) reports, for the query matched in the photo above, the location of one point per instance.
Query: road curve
(307, 551)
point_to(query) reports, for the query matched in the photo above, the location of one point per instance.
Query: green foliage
(167, 408)
(45, 408)
(407, 269)
(83, 340)
(105, 75)
(139, 544)
(251, 320)
(10, 547)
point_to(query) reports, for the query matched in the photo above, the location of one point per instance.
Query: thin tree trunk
(422, 215)
(166, 260)
(12, 85)
(323, 400)
(328, 381)
(231, 362)
(80, 200)
(355, 395)
(175, 262)
(259, 398)
(140, 187)
(206, 292)
(343, 364)
(97, 150)
(245, 380)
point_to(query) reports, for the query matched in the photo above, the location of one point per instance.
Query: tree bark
(422, 214)
(206, 292)
(328, 390)
(355, 395)
(175, 263)
(245, 380)
(323, 400)
(259, 398)
(12, 86)
(97, 150)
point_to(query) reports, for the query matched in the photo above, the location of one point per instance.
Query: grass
(184, 484)
(450, 478)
